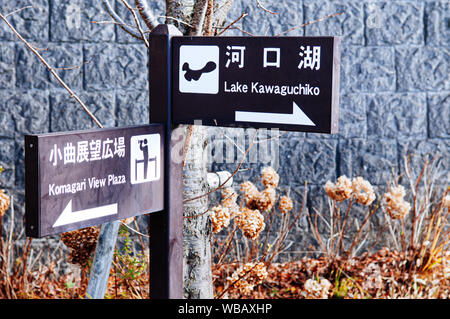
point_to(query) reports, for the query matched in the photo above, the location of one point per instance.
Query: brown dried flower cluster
(4, 202)
(269, 177)
(82, 244)
(266, 199)
(285, 205)
(251, 222)
(358, 188)
(248, 218)
(229, 198)
(396, 206)
(317, 289)
(339, 191)
(220, 217)
(251, 194)
(247, 277)
(362, 191)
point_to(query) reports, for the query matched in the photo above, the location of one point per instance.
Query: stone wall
(394, 87)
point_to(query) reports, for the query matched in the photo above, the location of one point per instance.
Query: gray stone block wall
(394, 95)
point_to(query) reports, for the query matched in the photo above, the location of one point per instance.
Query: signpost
(85, 178)
(290, 83)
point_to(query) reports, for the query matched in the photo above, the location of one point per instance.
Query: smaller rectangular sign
(84, 178)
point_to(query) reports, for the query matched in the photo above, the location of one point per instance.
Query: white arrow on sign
(297, 117)
(69, 217)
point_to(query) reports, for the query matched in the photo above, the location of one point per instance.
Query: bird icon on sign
(196, 74)
(198, 69)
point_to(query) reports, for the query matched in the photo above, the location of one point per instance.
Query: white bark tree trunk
(197, 230)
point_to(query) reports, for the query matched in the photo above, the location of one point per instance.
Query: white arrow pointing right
(297, 117)
(69, 217)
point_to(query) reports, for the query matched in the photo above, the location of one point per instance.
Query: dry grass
(415, 263)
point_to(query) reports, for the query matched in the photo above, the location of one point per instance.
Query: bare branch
(177, 20)
(308, 23)
(52, 71)
(146, 13)
(221, 12)
(198, 18)
(231, 176)
(136, 20)
(119, 21)
(74, 67)
(17, 11)
(244, 14)
(237, 28)
(262, 7)
(115, 22)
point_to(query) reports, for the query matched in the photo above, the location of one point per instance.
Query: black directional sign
(291, 83)
(84, 178)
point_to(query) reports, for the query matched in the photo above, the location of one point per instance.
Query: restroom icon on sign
(199, 69)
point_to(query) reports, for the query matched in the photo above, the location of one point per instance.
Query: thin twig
(118, 23)
(18, 10)
(358, 234)
(342, 232)
(262, 7)
(234, 143)
(239, 29)
(240, 277)
(119, 20)
(231, 176)
(244, 14)
(74, 67)
(146, 13)
(134, 230)
(136, 21)
(177, 20)
(52, 71)
(228, 242)
(308, 23)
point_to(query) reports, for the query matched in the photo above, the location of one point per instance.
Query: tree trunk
(197, 229)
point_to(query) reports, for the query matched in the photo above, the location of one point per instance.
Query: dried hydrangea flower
(269, 177)
(229, 195)
(317, 289)
(4, 203)
(251, 194)
(251, 222)
(340, 191)
(395, 205)
(220, 217)
(229, 198)
(82, 244)
(266, 199)
(246, 277)
(285, 205)
(362, 191)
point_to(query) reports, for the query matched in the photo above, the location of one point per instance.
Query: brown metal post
(166, 227)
